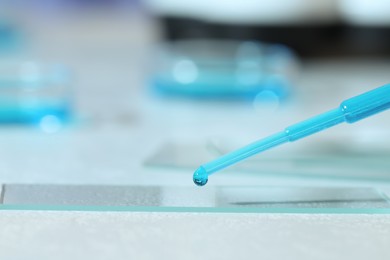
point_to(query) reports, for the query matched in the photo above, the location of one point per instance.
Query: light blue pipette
(350, 111)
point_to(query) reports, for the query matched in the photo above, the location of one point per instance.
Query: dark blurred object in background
(338, 39)
(312, 28)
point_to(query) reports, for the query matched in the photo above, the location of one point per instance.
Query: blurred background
(143, 91)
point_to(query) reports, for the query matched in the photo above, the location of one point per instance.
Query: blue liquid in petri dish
(33, 114)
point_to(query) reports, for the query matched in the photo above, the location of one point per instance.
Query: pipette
(350, 111)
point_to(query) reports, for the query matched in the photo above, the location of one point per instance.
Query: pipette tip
(200, 176)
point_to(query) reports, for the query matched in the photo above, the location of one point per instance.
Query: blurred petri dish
(34, 93)
(223, 69)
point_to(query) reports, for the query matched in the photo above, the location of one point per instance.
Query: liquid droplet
(200, 177)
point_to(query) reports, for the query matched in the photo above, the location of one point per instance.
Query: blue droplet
(200, 177)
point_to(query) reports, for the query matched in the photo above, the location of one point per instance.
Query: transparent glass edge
(198, 209)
